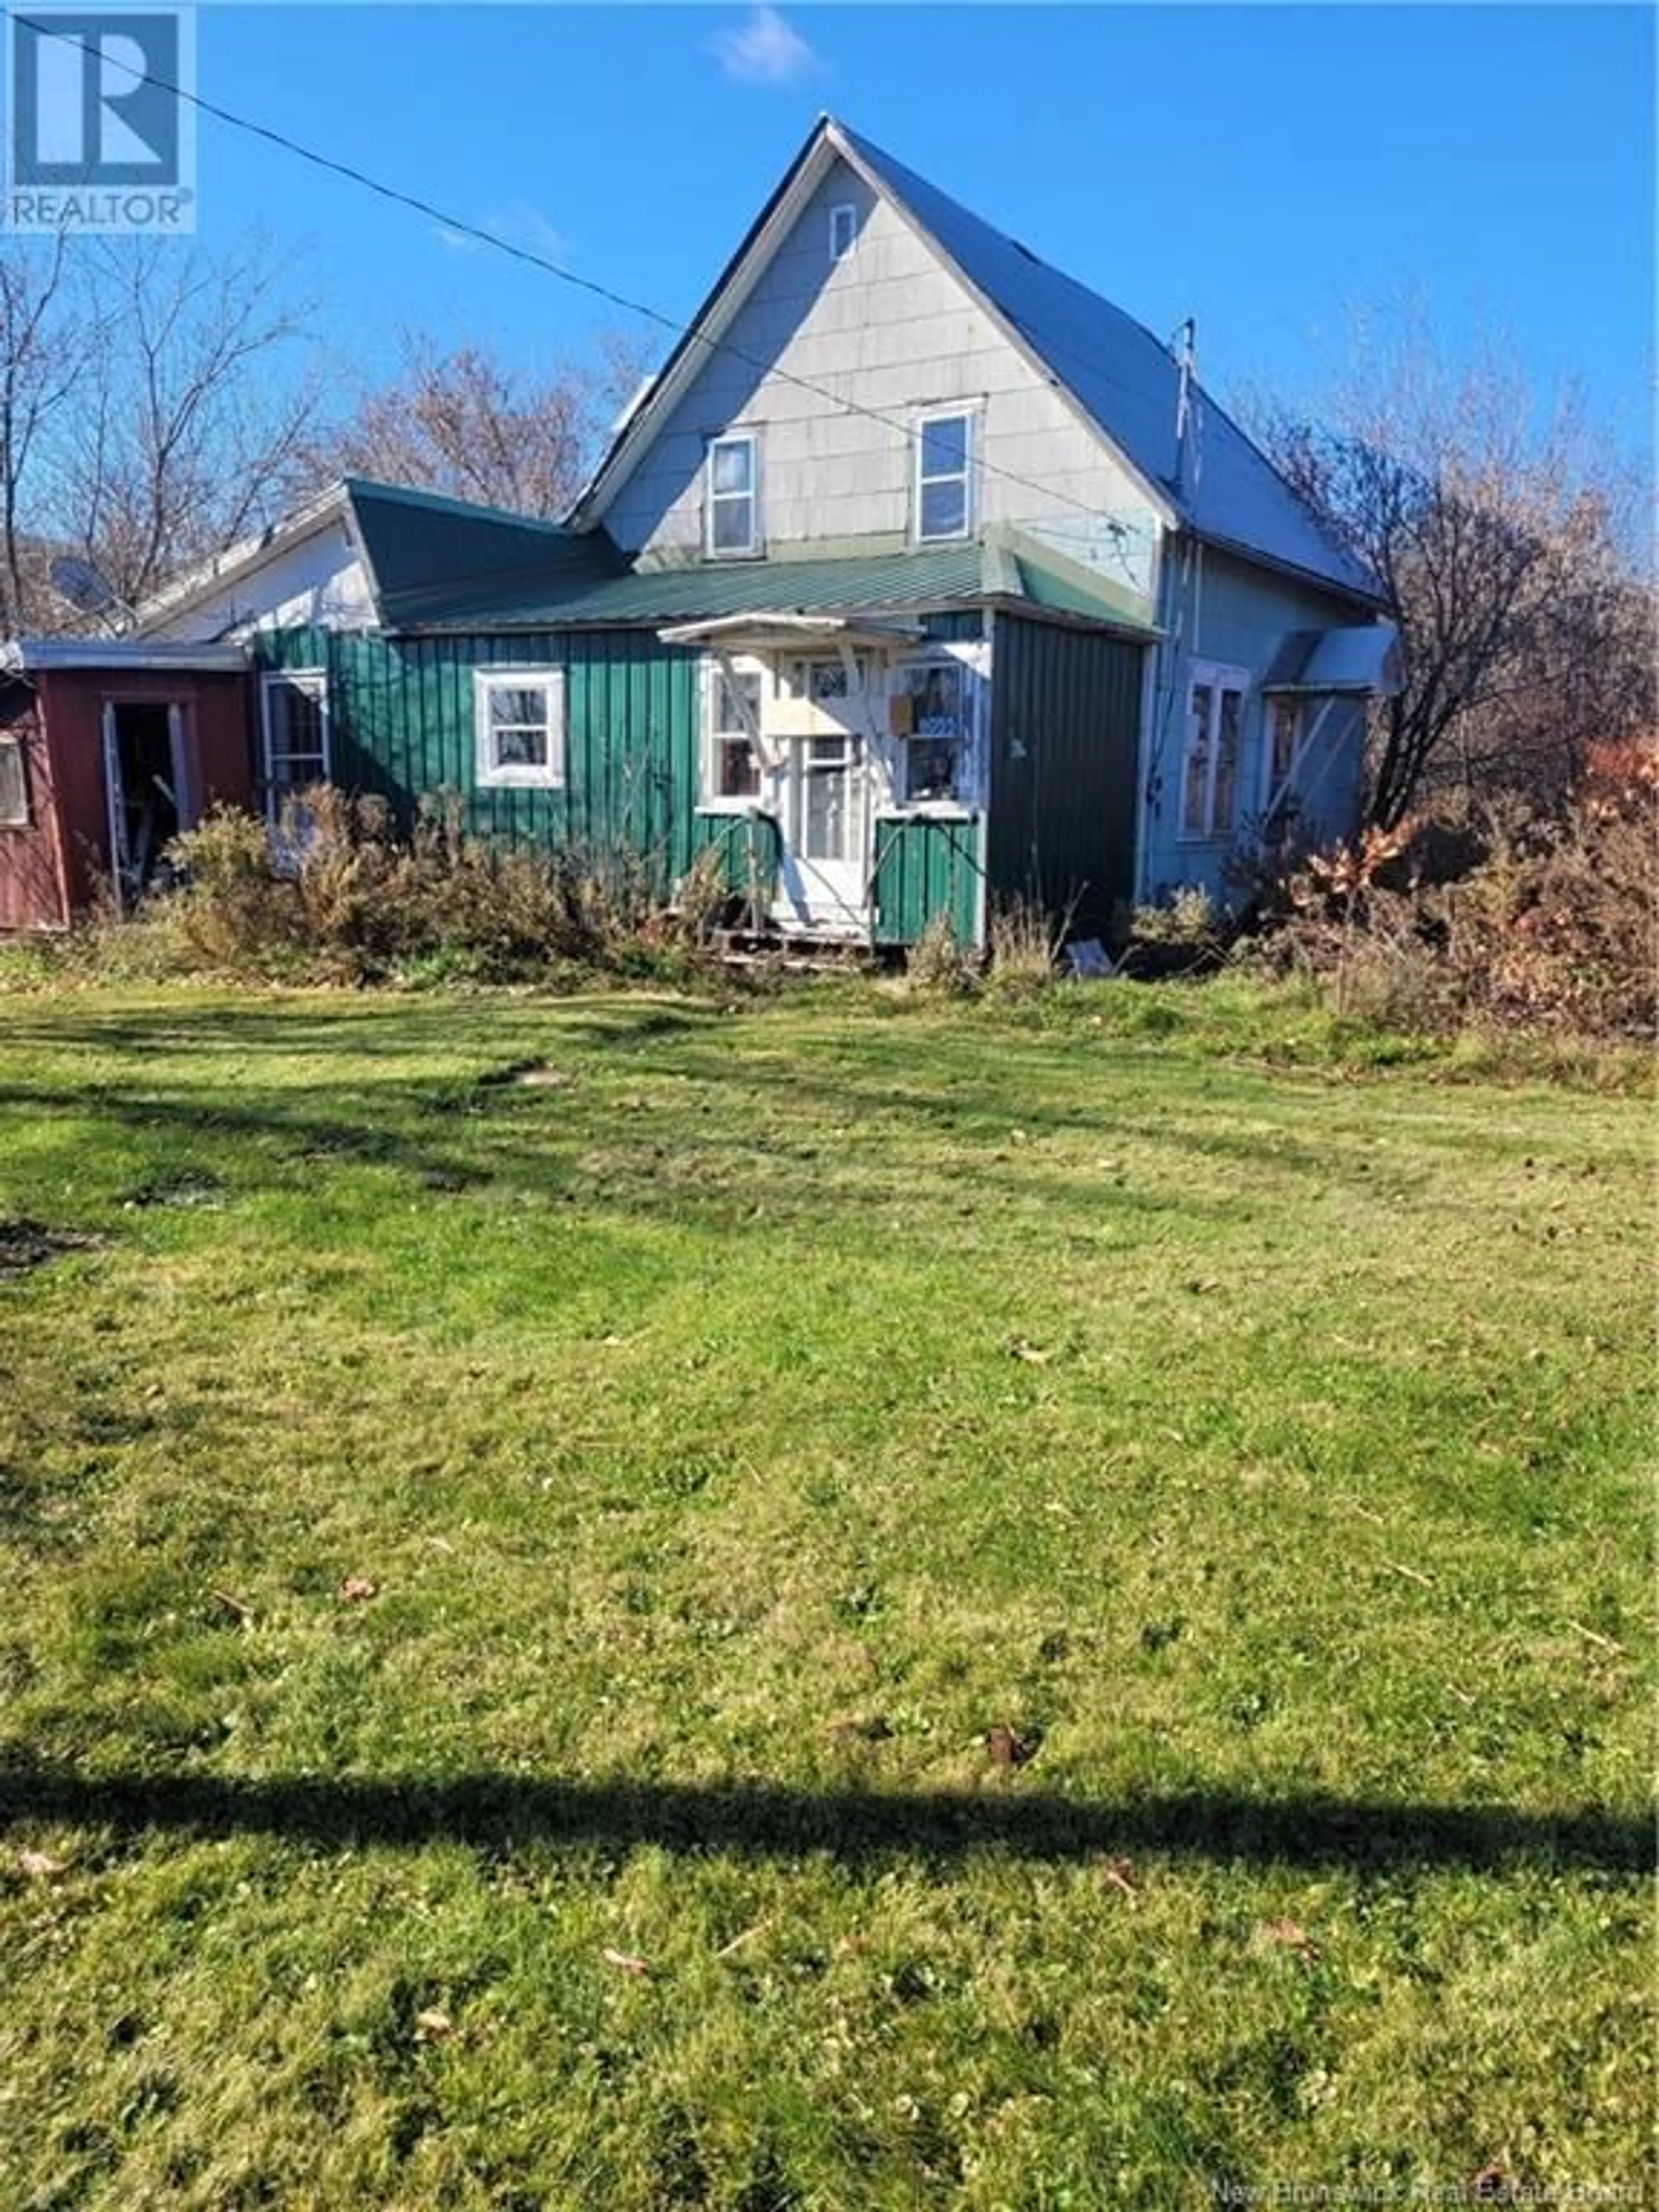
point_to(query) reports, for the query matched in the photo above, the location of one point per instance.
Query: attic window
(843, 230)
(733, 512)
(945, 444)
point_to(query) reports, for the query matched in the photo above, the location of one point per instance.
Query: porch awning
(1364, 658)
(760, 630)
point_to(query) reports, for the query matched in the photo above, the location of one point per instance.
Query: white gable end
(830, 362)
(319, 580)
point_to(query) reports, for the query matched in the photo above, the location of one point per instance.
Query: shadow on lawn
(761, 1820)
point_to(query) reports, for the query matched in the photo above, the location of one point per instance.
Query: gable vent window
(843, 231)
(945, 446)
(734, 508)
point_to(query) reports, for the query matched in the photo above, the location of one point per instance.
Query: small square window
(944, 476)
(14, 785)
(843, 231)
(518, 728)
(734, 508)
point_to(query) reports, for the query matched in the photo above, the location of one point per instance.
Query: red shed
(109, 747)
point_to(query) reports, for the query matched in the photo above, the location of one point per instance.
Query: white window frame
(714, 500)
(1220, 677)
(314, 682)
(490, 775)
(843, 230)
(711, 799)
(961, 804)
(968, 416)
(12, 743)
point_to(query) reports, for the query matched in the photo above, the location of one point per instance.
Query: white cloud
(520, 224)
(767, 49)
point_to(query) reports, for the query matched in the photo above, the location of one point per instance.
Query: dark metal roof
(437, 560)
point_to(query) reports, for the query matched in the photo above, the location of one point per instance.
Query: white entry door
(824, 811)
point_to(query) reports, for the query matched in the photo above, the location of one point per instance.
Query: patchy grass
(521, 1517)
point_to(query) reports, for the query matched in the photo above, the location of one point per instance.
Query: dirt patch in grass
(26, 1245)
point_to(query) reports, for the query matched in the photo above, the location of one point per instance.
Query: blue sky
(1264, 168)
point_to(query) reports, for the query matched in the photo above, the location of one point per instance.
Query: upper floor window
(733, 504)
(843, 231)
(518, 717)
(1209, 767)
(945, 453)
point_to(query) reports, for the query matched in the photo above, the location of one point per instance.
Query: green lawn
(738, 1413)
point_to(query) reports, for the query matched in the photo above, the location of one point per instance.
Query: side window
(1283, 739)
(731, 712)
(931, 720)
(297, 749)
(517, 716)
(1210, 758)
(14, 785)
(733, 497)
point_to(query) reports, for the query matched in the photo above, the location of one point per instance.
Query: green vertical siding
(1065, 717)
(401, 713)
(924, 869)
(750, 848)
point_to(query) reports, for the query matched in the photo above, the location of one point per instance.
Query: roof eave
(223, 569)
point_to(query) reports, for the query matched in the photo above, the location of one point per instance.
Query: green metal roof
(444, 561)
(871, 584)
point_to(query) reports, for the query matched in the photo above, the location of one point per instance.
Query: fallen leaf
(356, 1588)
(431, 2026)
(624, 1961)
(1293, 1937)
(1492, 2186)
(1007, 1749)
(1116, 1872)
(39, 1866)
(1032, 1354)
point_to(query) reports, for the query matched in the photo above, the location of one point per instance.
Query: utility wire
(397, 197)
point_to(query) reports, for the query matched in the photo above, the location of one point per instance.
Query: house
(918, 580)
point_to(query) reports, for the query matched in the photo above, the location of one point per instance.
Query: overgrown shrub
(1553, 926)
(937, 962)
(337, 895)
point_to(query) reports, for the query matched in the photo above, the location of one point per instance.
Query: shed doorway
(144, 785)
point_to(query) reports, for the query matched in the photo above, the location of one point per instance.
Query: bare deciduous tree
(196, 397)
(1500, 532)
(42, 361)
(464, 423)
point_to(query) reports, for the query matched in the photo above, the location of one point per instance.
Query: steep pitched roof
(1122, 380)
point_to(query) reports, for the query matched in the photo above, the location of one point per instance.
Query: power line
(397, 197)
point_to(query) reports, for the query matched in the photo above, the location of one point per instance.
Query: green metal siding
(923, 869)
(749, 847)
(1065, 717)
(401, 719)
